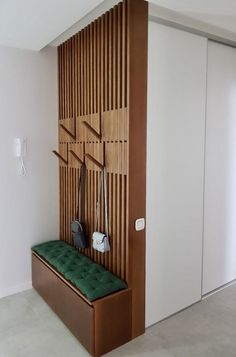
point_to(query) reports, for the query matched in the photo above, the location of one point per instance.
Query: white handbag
(101, 240)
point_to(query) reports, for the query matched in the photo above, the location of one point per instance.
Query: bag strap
(105, 200)
(81, 193)
(102, 182)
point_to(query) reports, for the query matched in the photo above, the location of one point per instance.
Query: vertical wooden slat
(61, 205)
(80, 84)
(98, 68)
(63, 80)
(110, 221)
(123, 54)
(72, 199)
(115, 57)
(102, 106)
(118, 224)
(92, 86)
(119, 55)
(67, 82)
(78, 79)
(122, 228)
(73, 78)
(76, 76)
(70, 202)
(85, 71)
(65, 204)
(110, 85)
(66, 79)
(113, 218)
(106, 73)
(59, 81)
(61, 74)
(69, 77)
(94, 207)
(88, 69)
(95, 59)
(91, 100)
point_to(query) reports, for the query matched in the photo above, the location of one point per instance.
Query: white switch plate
(139, 224)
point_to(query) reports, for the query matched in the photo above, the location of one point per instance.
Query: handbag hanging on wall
(101, 240)
(78, 225)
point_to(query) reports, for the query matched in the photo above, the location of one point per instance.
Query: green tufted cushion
(92, 279)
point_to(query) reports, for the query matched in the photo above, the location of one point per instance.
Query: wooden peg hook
(95, 161)
(60, 157)
(71, 134)
(92, 130)
(76, 157)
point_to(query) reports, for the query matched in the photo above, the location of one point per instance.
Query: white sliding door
(175, 170)
(219, 263)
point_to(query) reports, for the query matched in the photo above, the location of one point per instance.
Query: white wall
(219, 263)
(175, 170)
(28, 205)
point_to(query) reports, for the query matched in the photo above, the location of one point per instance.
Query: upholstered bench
(93, 303)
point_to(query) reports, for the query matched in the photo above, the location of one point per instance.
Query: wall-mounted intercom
(20, 146)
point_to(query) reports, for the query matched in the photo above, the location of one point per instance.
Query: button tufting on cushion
(92, 279)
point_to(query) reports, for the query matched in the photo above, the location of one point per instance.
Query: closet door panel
(175, 170)
(219, 258)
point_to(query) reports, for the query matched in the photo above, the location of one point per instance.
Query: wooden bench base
(100, 326)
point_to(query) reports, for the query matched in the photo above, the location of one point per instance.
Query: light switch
(139, 224)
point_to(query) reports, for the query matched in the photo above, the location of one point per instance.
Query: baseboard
(15, 289)
(218, 289)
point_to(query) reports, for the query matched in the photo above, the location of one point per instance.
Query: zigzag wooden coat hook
(61, 157)
(76, 157)
(92, 130)
(95, 161)
(72, 135)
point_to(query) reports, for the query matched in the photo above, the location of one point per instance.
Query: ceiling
(33, 24)
(219, 13)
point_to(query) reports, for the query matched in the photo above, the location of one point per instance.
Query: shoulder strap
(105, 200)
(102, 182)
(81, 193)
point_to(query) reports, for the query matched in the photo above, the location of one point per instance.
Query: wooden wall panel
(102, 114)
(92, 88)
(137, 104)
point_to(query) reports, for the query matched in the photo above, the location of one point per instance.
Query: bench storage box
(101, 322)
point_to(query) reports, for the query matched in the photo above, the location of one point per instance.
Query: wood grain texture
(102, 120)
(137, 104)
(113, 321)
(77, 315)
(100, 326)
(93, 126)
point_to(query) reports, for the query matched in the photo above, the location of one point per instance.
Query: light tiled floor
(28, 328)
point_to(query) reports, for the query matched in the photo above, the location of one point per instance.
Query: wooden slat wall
(103, 82)
(93, 80)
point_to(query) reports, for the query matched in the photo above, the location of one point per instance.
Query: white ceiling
(33, 24)
(219, 13)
